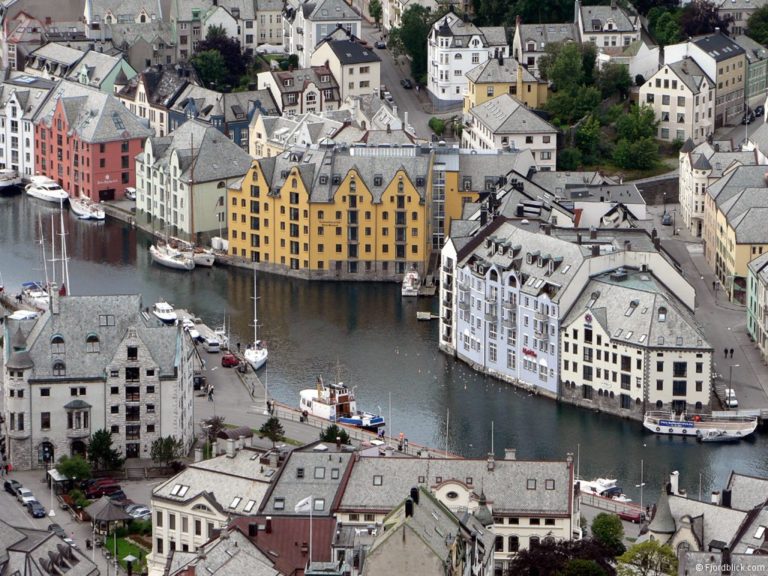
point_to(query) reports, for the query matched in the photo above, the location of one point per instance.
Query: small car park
(36, 509)
(229, 361)
(12, 487)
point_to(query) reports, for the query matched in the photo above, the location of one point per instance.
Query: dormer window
(325, 78)
(59, 368)
(92, 343)
(57, 344)
(662, 314)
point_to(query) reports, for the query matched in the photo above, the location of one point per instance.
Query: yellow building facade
(495, 77)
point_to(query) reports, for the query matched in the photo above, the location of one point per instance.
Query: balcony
(492, 298)
(509, 323)
(463, 305)
(463, 285)
(540, 316)
(447, 269)
(448, 320)
(509, 305)
(78, 433)
(490, 315)
(542, 335)
(447, 303)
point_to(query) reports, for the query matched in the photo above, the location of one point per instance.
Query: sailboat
(256, 353)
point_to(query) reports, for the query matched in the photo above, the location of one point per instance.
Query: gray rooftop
(378, 484)
(29, 91)
(623, 193)
(690, 74)
(498, 70)
(736, 180)
(350, 52)
(599, 15)
(97, 66)
(719, 46)
(126, 11)
(629, 310)
(758, 267)
(717, 522)
(505, 115)
(55, 52)
(747, 213)
(543, 34)
(748, 492)
(231, 554)
(755, 51)
(328, 11)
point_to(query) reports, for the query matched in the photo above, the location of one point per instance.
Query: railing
(464, 305)
(75, 433)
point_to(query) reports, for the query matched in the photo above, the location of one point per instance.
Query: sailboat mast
(53, 249)
(42, 247)
(64, 259)
(255, 309)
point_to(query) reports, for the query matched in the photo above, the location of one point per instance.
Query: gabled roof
(748, 492)
(690, 74)
(543, 34)
(350, 52)
(598, 16)
(719, 46)
(506, 115)
(231, 554)
(497, 70)
(98, 66)
(328, 11)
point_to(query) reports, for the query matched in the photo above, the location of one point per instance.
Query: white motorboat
(337, 403)
(43, 188)
(35, 294)
(167, 256)
(200, 256)
(603, 487)
(670, 423)
(256, 354)
(411, 283)
(717, 436)
(10, 181)
(85, 209)
(164, 312)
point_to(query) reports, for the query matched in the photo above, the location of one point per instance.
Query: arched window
(531, 46)
(59, 368)
(662, 314)
(221, 184)
(698, 405)
(142, 18)
(533, 541)
(92, 343)
(659, 404)
(494, 276)
(512, 282)
(400, 187)
(57, 344)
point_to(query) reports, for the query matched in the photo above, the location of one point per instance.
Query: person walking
(731, 352)
(726, 353)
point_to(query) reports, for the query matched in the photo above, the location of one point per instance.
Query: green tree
(100, 452)
(664, 26)
(410, 39)
(641, 154)
(580, 567)
(569, 159)
(211, 68)
(757, 25)
(74, 467)
(332, 432)
(608, 532)
(649, 558)
(273, 430)
(588, 139)
(639, 123)
(166, 450)
(614, 79)
(235, 63)
(376, 12)
(437, 125)
(566, 71)
(702, 17)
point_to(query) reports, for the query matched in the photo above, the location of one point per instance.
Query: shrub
(437, 125)
(569, 159)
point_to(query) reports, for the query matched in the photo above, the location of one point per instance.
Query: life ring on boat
(685, 431)
(671, 430)
(658, 429)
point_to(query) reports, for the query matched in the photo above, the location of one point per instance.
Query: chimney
(483, 215)
(338, 442)
(501, 57)
(595, 249)
(510, 453)
(268, 527)
(241, 442)
(415, 495)
(198, 454)
(53, 292)
(518, 21)
(214, 449)
(674, 482)
(369, 529)
(726, 560)
(253, 530)
(627, 246)
(593, 233)
(408, 508)
(491, 463)
(230, 448)
(578, 238)
(715, 498)
(726, 498)
(405, 119)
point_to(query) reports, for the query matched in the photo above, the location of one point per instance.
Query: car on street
(406, 83)
(130, 193)
(666, 219)
(380, 44)
(12, 487)
(101, 490)
(759, 111)
(199, 382)
(730, 398)
(58, 530)
(24, 495)
(36, 509)
(139, 512)
(229, 361)
(748, 118)
(635, 516)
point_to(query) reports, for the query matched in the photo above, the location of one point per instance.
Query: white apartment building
(610, 28)
(757, 303)
(182, 179)
(683, 99)
(701, 166)
(20, 97)
(392, 11)
(505, 292)
(206, 496)
(629, 346)
(505, 122)
(357, 69)
(92, 363)
(455, 47)
(269, 22)
(306, 23)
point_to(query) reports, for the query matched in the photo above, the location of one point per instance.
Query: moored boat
(256, 354)
(670, 423)
(337, 403)
(10, 182)
(717, 436)
(43, 188)
(604, 487)
(164, 312)
(201, 257)
(411, 283)
(84, 208)
(166, 256)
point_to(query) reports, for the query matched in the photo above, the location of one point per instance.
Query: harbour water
(383, 351)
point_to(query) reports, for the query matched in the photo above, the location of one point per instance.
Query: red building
(87, 140)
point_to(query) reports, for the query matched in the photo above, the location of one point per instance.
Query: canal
(383, 351)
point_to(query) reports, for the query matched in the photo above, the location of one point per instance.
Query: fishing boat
(170, 258)
(670, 423)
(604, 487)
(43, 188)
(85, 209)
(10, 182)
(717, 436)
(164, 312)
(337, 403)
(411, 283)
(256, 354)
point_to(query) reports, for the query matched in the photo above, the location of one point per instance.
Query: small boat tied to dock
(337, 403)
(717, 427)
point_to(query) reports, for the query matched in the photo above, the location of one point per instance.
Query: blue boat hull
(373, 423)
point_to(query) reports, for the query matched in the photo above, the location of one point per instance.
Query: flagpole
(311, 505)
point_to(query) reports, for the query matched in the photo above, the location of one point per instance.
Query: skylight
(235, 502)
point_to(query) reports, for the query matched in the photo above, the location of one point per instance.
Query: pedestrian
(238, 347)
(726, 352)
(210, 393)
(731, 352)
(713, 285)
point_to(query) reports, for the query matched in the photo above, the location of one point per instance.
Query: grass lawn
(609, 169)
(124, 548)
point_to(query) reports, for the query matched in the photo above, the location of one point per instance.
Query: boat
(717, 436)
(43, 188)
(201, 256)
(167, 256)
(85, 209)
(337, 403)
(10, 182)
(256, 354)
(411, 283)
(671, 423)
(35, 294)
(603, 487)
(164, 312)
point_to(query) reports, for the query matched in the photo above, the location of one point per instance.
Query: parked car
(406, 83)
(140, 513)
(58, 530)
(730, 398)
(199, 381)
(24, 495)
(666, 219)
(36, 509)
(119, 498)
(635, 516)
(380, 44)
(85, 485)
(12, 487)
(130, 193)
(759, 111)
(748, 118)
(229, 360)
(101, 490)
(212, 346)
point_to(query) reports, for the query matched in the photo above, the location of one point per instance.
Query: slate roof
(505, 115)
(95, 116)
(302, 77)
(641, 295)
(98, 66)
(104, 510)
(719, 46)
(231, 554)
(328, 11)
(747, 212)
(738, 179)
(452, 25)
(717, 522)
(304, 129)
(754, 51)
(706, 157)
(306, 473)
(759, 269)
(126, 8)
(751, 536)
(124, 36)
(505, 485)
(220, 480)
(690, 74)
(350, 52)
(494, 72)
(599, 15)
(162, 86)
(30, 92)
(55, 52)
(544, 34)
(269, 5)
(233, 106)
(760, 138)
(78, 318)
(556, 182)
(201, 148)
(181, 10)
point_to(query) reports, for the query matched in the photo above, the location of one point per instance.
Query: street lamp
(642, 483)
(730, 375)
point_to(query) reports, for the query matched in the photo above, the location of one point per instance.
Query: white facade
(356, 69)
(683, 101)
(392, 11)
(454, 48)
(639, 58)
(607, 27)
(18, 106)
